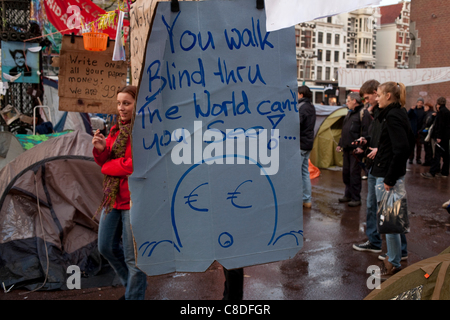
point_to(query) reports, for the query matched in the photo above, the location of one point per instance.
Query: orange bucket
(95, 41)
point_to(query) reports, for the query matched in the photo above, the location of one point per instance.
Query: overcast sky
(388, 2)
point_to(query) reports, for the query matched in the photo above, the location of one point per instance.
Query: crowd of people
(378, 136)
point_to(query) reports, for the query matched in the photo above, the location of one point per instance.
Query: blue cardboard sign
(216, 148)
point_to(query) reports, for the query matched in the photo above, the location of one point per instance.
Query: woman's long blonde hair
(397, 91)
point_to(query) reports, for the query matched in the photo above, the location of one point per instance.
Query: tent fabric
(428, 279)
(63, 120)
(10, 148)
(327, 134)
(48, 197)
(29, 141)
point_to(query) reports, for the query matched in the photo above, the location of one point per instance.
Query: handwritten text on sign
(216, 141)
(89, 80)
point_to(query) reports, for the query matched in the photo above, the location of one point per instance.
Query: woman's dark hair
(132, 91)
(305, 91)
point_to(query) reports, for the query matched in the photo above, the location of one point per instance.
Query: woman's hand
(99, 141)
(372, 153)
(387, 188)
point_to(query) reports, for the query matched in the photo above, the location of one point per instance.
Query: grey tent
(48, 196)
(10, 148)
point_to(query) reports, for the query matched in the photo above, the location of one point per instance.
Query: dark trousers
(438, 154)
(234, 284)
(418, 148)
(351, 175)
(428, 152)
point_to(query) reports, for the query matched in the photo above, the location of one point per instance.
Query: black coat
(395, 144)
(353, 127)
(442, 125)
(307, 114)
(416, 117)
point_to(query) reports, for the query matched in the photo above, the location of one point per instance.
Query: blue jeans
(371, 218)
(396, 243)
(306, 181)
(113, 227)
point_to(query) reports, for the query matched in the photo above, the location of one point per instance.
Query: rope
(43, 235)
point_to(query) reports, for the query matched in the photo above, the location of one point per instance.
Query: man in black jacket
(441, 135)
(356, 124)
(307, 114)
(416, 115)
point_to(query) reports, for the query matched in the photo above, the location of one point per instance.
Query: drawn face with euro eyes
(232, 204)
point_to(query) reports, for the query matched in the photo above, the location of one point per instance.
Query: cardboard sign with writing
(89, 80)
(216, 148)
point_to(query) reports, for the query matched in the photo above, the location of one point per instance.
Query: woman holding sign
(113, 154)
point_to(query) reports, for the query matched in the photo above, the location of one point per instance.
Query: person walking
(113, 154)
(307, 114)
(356, 124)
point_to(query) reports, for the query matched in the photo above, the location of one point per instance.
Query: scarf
(111, 185)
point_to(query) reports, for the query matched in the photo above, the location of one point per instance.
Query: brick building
(430, 46)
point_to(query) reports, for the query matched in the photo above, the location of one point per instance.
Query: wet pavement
(326, 268)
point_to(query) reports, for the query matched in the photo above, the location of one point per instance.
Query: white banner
(286, 13)
(354, 78)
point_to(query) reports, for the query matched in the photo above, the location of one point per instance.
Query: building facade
(393, 36)
(430, 43)
(324, 45)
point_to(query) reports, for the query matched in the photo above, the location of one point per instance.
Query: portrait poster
(20, 62)
(216, 148)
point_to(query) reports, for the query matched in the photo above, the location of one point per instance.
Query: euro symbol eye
(233, 195)
(189, 201)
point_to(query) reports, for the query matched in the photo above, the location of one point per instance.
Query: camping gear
(392, 214)
(428, 279)
(48, 196)
(326, 138)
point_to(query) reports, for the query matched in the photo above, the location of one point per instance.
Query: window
(336, 56)
(399, 37)
(319, 73)
(329, 19)
(327, 73)
(297, 37)
(320, 37)
(328, 38)
(328, 55)
(319, 55)
(336, 39)
(306, 39)
(335, 74)
(308, 69)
